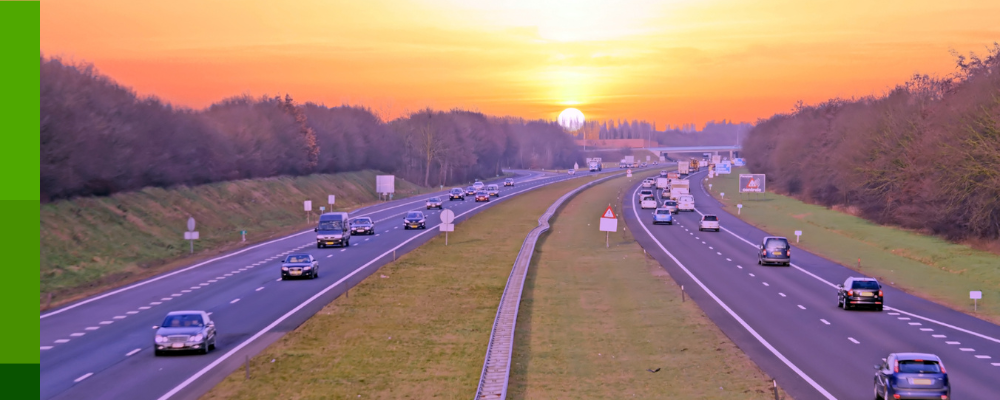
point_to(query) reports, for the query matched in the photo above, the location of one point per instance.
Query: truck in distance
(683, 167)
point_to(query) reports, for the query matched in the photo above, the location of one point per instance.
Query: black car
(456, 194)
(414, 220)
(774, 250)
(470, 191)
(911, 376)
(857, 291)
(434, 202)
(184, 331)
(362, 226)
(508, 182)
(300, 266)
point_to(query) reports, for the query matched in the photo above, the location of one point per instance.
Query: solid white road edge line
(281, 319)
(85, 376)
(732, 313)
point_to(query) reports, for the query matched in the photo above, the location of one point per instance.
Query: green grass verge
(91, 244)
(923, 265)
(594, 319)
(418, 332)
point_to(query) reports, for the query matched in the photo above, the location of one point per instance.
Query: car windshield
(363, 221)
(663, 212)
(433, 199)
(414, 215)
(470, 188)
(182, 321)
(481, 193)
(776, 244)
(509, 180)
(919, 367)
(456, 190)
(331, 225)
(297, 258)
(865, 285)
(711, 218)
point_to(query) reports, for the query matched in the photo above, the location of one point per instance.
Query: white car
(571, 172)
(647, 202)
(709, 223)
(647, 183)
(685, 203)
(478, 185)
(645, 192)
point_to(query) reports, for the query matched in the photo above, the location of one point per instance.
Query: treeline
(713, 133)
(98, 138)
(924, 156)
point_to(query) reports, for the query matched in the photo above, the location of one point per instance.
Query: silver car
(185, 331)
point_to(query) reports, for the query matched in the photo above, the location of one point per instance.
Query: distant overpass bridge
(732, 149)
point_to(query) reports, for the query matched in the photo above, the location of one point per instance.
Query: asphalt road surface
(787, 320)
(101, 347)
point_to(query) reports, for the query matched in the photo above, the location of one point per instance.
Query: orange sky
(671, 62)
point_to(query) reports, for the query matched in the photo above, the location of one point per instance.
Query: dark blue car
(911, 376)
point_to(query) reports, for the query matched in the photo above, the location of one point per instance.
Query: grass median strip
(417, 328)
(594, 320)
(923, 265)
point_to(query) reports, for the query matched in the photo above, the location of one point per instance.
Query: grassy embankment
(594, 319)
(923, 265)
(421, 331)
(95, 243)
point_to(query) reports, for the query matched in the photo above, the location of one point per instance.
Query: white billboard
(385, 184)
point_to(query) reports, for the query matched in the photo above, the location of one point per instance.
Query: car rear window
(711, 218)
(670, 203)
(775, 244)
(663, 212)
(864, 285)
(919, 367)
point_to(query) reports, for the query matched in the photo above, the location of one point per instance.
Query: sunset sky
(669, 62)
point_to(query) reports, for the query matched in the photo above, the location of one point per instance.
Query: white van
(685, 203)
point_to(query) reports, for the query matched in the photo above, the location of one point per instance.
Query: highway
(101, 347)
(787, 320)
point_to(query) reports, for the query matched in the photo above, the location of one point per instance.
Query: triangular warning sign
(753, 184)
(608, 213)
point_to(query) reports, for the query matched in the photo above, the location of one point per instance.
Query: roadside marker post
(739, 208)
(447, 223)
(243, 233)
(722, 195)
(191, 235)
(797, 234)
(308, 206)
(609, 223)
(330, 200)
(975, 295)
(709, 186)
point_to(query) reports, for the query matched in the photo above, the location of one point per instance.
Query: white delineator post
(797, 234)
(609, 223)
(739, 208)
(191, 235)
(308, 206)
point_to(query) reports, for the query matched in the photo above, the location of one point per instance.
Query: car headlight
(196, 338)
(307, 267)
(284, 268)
(160, 339)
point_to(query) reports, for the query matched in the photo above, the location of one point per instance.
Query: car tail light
(895, 396)
(763, 252)
(943, 371)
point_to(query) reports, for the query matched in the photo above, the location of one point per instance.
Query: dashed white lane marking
(220, 278)
(939, 336)
(894, 313)
(751, 274)
(782, 294)
(824, 321)
(186, 291)
(85, 376)
(331, 255)
(802, 307)
(710, 248)
(231, 302)
(739, 266)
(204, 284)
(278, 280)
(131, 312)
(853, 340)
(77, 334)
(904, 318)
(729, 259)
(765, 284)
(691, 233)
(176, 295)
(343, 249)
(91, 328)
(155, 303)
(132, 352)
(717, 252)
(927, 329)
(915, 323)
(966, 349)
(379, 234)
(119, 317)
(106, 322)
(61, 341)
(698, 238)
(45, 347)
(995, 364)
(366, 239)
(953, 342)
(212, 280)
(145, 307)
(166, 299)
(259, 289)
(228, 275)
(982, 356)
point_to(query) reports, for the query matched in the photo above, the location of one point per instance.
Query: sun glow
(571, 119)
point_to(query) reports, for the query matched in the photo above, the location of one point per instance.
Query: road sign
(752, 183)
(447, 227)
(647, 158)
(190, 223)
(331, 199)
(975, 295)
(191, 235)
(447, 217)
(797, 234)
(609, 223)
(723, 168)
(628, 172)
(308, 205)
(385, 184)
(609, 213)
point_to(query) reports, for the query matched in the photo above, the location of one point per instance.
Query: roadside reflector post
(774, 384)
(739, 208)
(709, 186)
(797, 234)
(682, 293)
(722, 195)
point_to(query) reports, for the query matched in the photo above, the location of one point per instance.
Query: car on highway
(774, 250)
(184, 331)
(478, 185)
(456, 194)
(912, 376)
(647, 183)
(670, 205)
(508, 182)
(647, 201)
(482, 195)
(663, 215)
(685, 202)
(493, 190)
(300, 265)
(860, 291)
(709, 222)
(334, 228)
(646, 192)
(415, 220)
(470, 191)
(434, 202)
(571, 171)
(663, 173)
(363, 226)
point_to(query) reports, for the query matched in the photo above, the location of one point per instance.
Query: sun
(571, 119)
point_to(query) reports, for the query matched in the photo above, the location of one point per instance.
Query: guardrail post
(248, 366)
(682, 293)
(775, 384)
